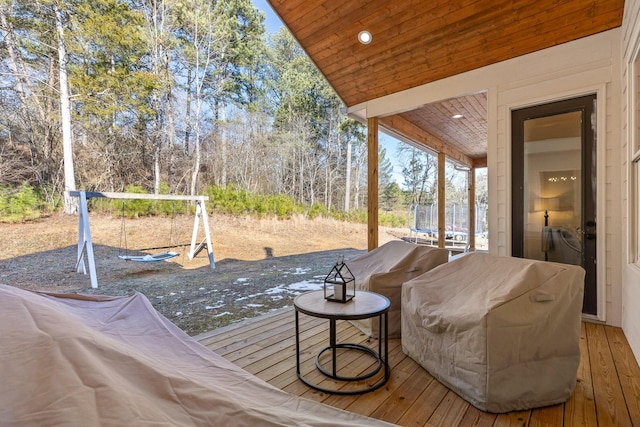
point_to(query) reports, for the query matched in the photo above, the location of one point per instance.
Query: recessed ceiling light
(364, 37)
(457, 116)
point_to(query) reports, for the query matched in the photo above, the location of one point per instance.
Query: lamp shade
(546, 204)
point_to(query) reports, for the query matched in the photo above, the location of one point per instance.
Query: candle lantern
(340, 285)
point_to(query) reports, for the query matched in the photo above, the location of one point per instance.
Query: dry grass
(260, 264)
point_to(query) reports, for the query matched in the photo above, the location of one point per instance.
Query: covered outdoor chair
(384, 269)
(502, 332)
(562, 244)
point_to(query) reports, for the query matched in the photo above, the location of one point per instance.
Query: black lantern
(340, 285)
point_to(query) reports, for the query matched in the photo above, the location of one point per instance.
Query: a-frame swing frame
(85, 244)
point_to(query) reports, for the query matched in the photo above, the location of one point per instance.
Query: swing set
(123, 251)
(85, 244)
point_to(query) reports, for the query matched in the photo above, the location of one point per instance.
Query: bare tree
(70, 203)
(198, 22)
(160, 40)
(30, 120)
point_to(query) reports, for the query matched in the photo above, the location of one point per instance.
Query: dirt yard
(261, 265)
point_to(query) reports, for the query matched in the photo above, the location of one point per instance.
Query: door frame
(595, 297)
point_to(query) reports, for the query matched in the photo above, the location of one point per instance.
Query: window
(635, 208)
(635, 102)
(634, 154)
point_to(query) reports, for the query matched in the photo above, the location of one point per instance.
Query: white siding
(585, 66)
(630, 290)
(588, 65)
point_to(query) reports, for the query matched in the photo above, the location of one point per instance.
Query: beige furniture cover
(115, 361)
(501, 332)
(384, 269)
(562, 244)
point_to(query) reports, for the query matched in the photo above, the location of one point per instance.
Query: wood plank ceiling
(417, 42)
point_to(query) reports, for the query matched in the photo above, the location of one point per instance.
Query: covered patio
(606, 393)
(453, 77)
(445, 76)
(409, 45)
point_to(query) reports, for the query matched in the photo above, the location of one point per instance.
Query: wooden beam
(112, 195)
(441, 200)
(409, 130)
(480, 163)
(372, 180)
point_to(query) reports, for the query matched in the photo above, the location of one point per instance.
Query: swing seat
(162, 256)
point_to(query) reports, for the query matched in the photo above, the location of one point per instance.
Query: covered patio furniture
(78, 360)
(561, 244)
(501, 332)
(384, 269)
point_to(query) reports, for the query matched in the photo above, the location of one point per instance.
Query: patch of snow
(277, 290)
(226, 313)
(254, 305)
(306, 285)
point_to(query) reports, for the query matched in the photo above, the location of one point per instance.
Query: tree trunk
(356, 198)
(347, 180)
(223, 144)
(171, 143)
(156, 165)
(70, 203)
(302, 179)
(196, 144)
(196, 162)
(187, 116)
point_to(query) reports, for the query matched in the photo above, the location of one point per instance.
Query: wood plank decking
(607, 393)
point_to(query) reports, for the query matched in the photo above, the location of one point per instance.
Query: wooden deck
(607, 393)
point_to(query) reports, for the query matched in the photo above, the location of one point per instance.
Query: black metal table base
(350, 346)
(382, 362)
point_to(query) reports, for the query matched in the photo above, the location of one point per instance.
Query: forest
(178, 96)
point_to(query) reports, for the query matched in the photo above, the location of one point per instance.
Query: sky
(273, 24)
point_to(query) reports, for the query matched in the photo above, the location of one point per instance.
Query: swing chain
(123, 234)
(123, 248)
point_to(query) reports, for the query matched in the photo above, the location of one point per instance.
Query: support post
(441, 200)
(201, 211)
(372, 180)
(85, 243)
(472, 209)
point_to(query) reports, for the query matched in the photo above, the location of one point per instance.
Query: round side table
(364, 305)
